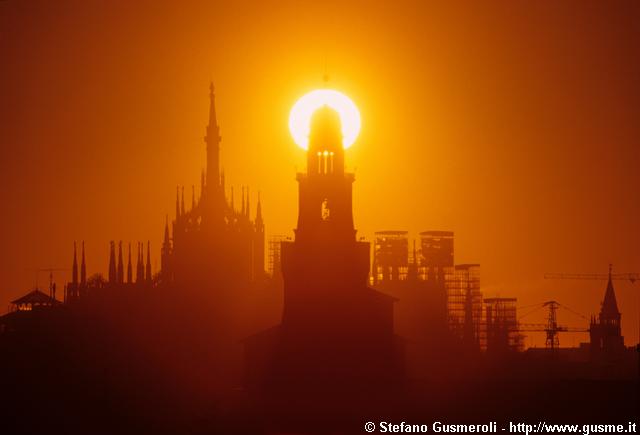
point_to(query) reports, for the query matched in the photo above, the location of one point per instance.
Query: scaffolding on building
(436, 255)
(275, 243)
(390, 256)
(464, 304)
(501, 326)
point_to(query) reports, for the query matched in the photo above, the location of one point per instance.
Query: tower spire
(166, 230)
(83, 269)
(212, 139)
(610, 304)
(148, 268)
(182, 202)
(139, 266)
(248, 206)
(129, 267)
(259, 221)
(177, 202)
(120, 265)
(242, 210)
(112, 263)
(74, 272)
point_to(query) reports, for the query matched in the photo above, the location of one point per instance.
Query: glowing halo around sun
(301, 112)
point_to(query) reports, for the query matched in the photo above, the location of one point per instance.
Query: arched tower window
(325, 211)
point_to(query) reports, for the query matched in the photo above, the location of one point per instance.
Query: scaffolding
(464, 304)
(275, 243)
(501, 323)
(436, 254)
(390, 256)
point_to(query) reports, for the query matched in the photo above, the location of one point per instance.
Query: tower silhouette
(336, 332)
(607, 342)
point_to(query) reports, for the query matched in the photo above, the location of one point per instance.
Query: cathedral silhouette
(209, 244)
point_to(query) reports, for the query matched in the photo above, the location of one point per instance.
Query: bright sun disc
(301, 112)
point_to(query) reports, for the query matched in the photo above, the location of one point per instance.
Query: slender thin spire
(166, 230)
(232, 204)
(182, 202)
(259, 223)
(83, 269)
(129, 267)
(248, 210)
(259, 209)
(148, 268)
(610, 304)
(242, 210)
(74, 272)
(193, 197)
(139, 265)
(177, 202)
(120, 264)
(112, 263)
(212, 139)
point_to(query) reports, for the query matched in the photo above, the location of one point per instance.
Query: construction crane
(631, 277)
(551, 328)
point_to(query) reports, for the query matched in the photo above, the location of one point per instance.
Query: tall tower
(605, 332)
(336, 332)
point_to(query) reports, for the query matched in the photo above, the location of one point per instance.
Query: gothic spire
(129, 267)
(139, 265)
(120, 264)
(248, 210)
(259, 220)
(74, 272)
(242, 210)
(212, 139)
(177, 202)
(83, 268)
(259, 223)
(610, 304)
(148, 268)
(166, 231)
(182, 202)
(112, 263)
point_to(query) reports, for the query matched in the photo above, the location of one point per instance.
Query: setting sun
(300, 117)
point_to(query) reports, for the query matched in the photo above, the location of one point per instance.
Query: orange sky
(514, 126)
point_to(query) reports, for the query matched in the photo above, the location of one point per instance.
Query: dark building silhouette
(212, 242)
(607, 342)
(336, 331)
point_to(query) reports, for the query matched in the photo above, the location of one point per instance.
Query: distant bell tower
(607, 341)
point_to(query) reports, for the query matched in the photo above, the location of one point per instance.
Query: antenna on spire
(325, 75)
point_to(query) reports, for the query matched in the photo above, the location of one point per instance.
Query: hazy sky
(514, 124)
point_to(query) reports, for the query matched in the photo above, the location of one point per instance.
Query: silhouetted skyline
(511, 125)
